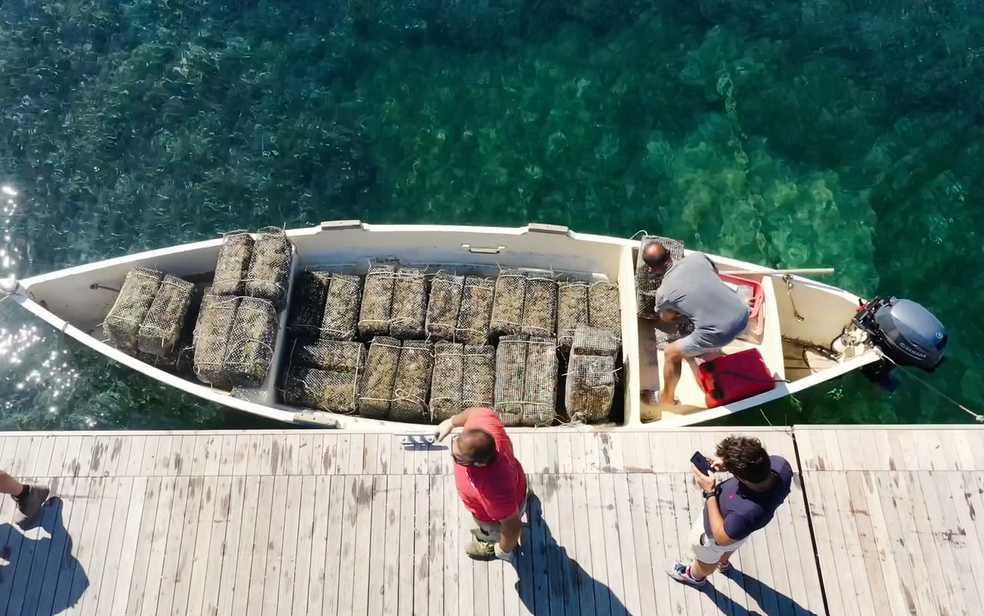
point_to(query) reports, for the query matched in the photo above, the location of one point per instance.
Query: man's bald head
(657, 257)
(476, 445)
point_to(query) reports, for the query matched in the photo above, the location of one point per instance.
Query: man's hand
(668, 316)
(503, 555)
(443, 430)
(706, 482)
(716, 463)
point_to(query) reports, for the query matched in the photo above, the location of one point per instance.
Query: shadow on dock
(549, 577)
(40, 575)
(771, 602)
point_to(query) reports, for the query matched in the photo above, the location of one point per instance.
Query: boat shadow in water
(40, 574)
(548, 576)
(771, 602)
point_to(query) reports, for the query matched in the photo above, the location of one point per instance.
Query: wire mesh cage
(122, 322)
(251, 341)
(478, 380)
(572, 310)
(540, 306)
(342, 304)
(335, 355)
(590, 387)
(377, 301)
(307, 306)
(508, 303)
(446, 383)
(166, 320)
(645, 280)
(409, 308)
(526, 376)
(412, 385)
(325, 390)
(268, 276)
(211, 339)
(232, 266)
(443, 306)
(604, 307)
(376, 384)
(475, 315)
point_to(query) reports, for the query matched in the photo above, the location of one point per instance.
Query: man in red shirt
(490, 480)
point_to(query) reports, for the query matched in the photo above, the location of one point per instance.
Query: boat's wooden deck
(332, 523)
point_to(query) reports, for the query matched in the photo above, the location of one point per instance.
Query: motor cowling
(906, 333)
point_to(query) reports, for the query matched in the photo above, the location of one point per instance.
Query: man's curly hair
(745, 458)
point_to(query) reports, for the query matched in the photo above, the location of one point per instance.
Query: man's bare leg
(29, 498)
(725, 561)
(673, 358)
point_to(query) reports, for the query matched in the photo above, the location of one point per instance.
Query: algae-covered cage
(646, 281)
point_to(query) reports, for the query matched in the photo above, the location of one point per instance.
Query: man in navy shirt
(734, 509)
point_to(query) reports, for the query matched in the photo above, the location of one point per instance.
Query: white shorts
(703, 546)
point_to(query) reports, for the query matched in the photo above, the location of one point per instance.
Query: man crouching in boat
(691, 287)
(490, 480)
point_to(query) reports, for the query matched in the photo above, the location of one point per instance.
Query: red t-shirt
(494, 492)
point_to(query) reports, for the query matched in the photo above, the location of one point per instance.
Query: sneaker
(681, 573)
(481, 550)
(724, 566)
(31, 505)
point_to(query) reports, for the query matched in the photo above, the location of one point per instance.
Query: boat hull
(75, 301)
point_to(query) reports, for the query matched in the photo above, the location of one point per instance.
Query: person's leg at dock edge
(735, 508)
(490, 481)
(29, 498)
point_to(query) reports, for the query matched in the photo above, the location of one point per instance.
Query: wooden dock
(880, 521)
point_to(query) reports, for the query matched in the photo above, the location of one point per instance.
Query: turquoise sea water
(817, 134)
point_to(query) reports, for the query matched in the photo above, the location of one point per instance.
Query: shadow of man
(41, 575)
(771, 601)
(549, 578)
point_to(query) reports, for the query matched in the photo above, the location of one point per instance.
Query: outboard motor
(906, 333)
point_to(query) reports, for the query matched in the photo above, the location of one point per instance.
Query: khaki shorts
(490, 532)
(704, 548)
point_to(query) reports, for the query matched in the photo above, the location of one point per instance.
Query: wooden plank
(131, 601)
(452, 536)
(289, 541)
(566, 535)
(796, 536)
(951, 544)
(203, 597)
(255, 590)
(872, 564)
(629, 541)
(437, 530)
(274, 543)
(956, 506)
(346, 576)
(336, 532)
(838, 573)
(189, 590)
(927, 564)
(363, 528)
(356, 454)
(61, 566)
(342, 452)
(238, 557)
(37, 465)
(370, 461)
(852, 541)
(600, 571)
(378, 546)
(319, 540)
(646, 564)
(885, 529)
(182, 531)
(552, 536)
(648, 494)
(539, 580)
(307, 497)
(406, 542)
(671, 538)
(391, 567)
(420, 544)
(112, 506)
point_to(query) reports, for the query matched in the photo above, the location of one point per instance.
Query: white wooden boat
(809, 335)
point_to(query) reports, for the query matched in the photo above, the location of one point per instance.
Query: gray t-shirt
(692, 287)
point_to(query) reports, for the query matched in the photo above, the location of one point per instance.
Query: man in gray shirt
(691, 287)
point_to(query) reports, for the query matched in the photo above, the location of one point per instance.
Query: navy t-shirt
(746, 511)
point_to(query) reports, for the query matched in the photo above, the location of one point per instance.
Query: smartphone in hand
(701, 463)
